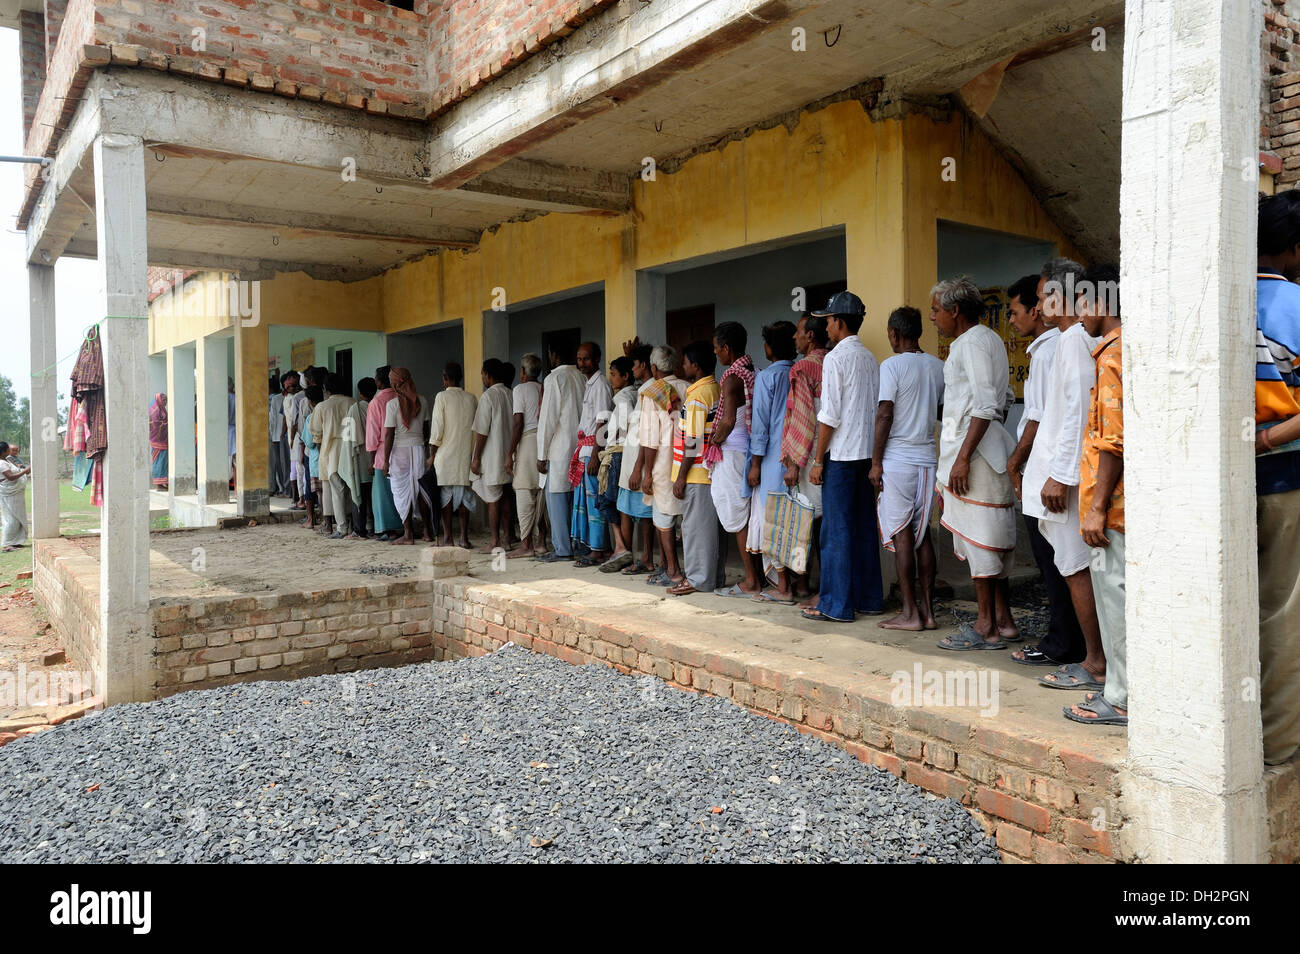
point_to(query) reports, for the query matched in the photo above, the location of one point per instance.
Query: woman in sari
(158, 439)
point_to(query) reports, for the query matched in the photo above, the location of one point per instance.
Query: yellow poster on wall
(997, 318)
(303, 353)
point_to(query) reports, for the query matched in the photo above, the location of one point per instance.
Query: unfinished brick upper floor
(361, 53)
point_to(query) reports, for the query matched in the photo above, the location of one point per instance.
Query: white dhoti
(405, 468)
(458, 496)
(906, 500)
(728, 488)
(1070, 554)
(14, 507)
(983, 522)
(526, 476)
(488, 493)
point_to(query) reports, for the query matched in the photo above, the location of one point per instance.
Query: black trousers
(1064, 640)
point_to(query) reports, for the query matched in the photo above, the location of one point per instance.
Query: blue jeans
(850, 554)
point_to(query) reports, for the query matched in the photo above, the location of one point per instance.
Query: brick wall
(31, 57)
(55, 11)
(347, 52)
(1280, 124)
(216, 642)
(66, 583)
(472, 42)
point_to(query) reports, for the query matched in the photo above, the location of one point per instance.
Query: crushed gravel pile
(508, 757)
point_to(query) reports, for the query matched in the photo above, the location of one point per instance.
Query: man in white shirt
(978, 502)
(451, 427)
(903, 465)
(588, 527)
(526, 402)
(557, 437)
(492, 422)
(1051, 481)
(1064, 640)
(850, 558)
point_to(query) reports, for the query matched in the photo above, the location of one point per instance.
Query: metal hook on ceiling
(659, 125)
(379, 190)
(275, 240)
(159, 156)
(826, 35)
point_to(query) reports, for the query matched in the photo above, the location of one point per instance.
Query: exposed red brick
(1013, 809)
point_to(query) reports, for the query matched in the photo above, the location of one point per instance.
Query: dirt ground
(25, 638)
(265, 559)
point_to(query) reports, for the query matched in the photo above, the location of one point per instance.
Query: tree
(15, 415)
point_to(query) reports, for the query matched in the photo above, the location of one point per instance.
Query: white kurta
(1041, 351)
(974, 386)
(451, 428)
(557, 424)
(493, 420)
(13, 503)
(1058, 447)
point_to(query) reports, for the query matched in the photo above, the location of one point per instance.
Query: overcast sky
(77, 293)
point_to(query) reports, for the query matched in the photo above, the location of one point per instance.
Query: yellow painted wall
(987, 193)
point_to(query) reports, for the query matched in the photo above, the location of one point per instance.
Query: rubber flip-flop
(766, 597)
(734, 591)
(1070, 676)
(637, 569)
(689, 591)
(817, 616)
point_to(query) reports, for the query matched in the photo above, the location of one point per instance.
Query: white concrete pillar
(43, 446)
(126, 649)
(181, 457)
(213, 465)
(1192, 793)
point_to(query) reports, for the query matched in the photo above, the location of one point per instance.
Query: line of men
(601, 457)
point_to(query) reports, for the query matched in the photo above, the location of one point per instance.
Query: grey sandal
(966, 640)
(1106, 713)
(1070, 676)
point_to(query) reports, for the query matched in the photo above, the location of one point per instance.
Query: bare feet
(404, 542)
(910, 624)
(526, 552)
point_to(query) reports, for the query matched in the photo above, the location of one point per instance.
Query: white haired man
(978, 502)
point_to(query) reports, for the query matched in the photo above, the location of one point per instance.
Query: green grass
(76, 516)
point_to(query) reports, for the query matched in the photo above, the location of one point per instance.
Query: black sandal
(1034, 657)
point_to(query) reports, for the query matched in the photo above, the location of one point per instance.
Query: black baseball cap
(842, 303)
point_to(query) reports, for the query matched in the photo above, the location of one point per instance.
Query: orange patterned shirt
(1105, 428)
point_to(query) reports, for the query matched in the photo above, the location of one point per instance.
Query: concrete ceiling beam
(1069, 23)
(609, 60)
(295, 222)
(559, 188)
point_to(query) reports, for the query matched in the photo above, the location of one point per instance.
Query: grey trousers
(1279, 623)
(703, 559)
(1107, 571)
(559, 508)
